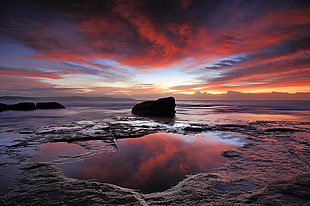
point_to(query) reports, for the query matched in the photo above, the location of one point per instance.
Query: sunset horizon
(230, 95)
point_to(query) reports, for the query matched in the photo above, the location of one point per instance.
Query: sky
(152, 48)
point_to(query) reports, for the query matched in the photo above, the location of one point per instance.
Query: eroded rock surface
(271, 169)
(43, 184)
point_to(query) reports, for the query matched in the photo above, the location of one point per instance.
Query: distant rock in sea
(1, 107)
(22, 106)
(163, 107)
(26, 106)
(49, 105)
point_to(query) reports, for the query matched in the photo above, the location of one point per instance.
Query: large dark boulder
(23, 106)
(164, 107)
(49, 105)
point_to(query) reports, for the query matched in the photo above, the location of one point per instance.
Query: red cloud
(134, 38)
(162, 34)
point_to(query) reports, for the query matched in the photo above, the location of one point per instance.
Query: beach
(210, 153)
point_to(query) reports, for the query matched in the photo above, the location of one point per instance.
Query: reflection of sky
(230, 138)
(151, 163)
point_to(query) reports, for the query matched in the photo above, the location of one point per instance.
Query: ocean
(102, 140)
(204, 112)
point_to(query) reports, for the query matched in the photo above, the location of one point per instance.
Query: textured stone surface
(253, 174)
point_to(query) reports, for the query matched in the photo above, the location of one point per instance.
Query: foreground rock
(48, 186)
(163, 107)
(49, 105)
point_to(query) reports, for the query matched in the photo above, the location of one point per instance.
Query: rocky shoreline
(271, 169)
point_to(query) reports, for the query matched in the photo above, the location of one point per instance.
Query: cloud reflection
(154, 162)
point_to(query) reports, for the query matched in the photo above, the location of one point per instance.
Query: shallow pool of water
(151, 163)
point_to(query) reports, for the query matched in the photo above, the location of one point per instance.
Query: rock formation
(163, 107)
(25, 106)
(2, 107)
(22, 106)
(49, 105)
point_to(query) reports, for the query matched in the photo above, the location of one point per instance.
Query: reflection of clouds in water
(228, 137)
(231, 138)
(154, 162)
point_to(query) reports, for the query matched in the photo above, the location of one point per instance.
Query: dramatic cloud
(208, 46)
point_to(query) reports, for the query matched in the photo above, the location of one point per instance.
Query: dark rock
(49, 105)
(23, 106)
(193, 129)
(163, 107)
(230, 154)
(280, 129)
(233, 125)
(2, 107)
